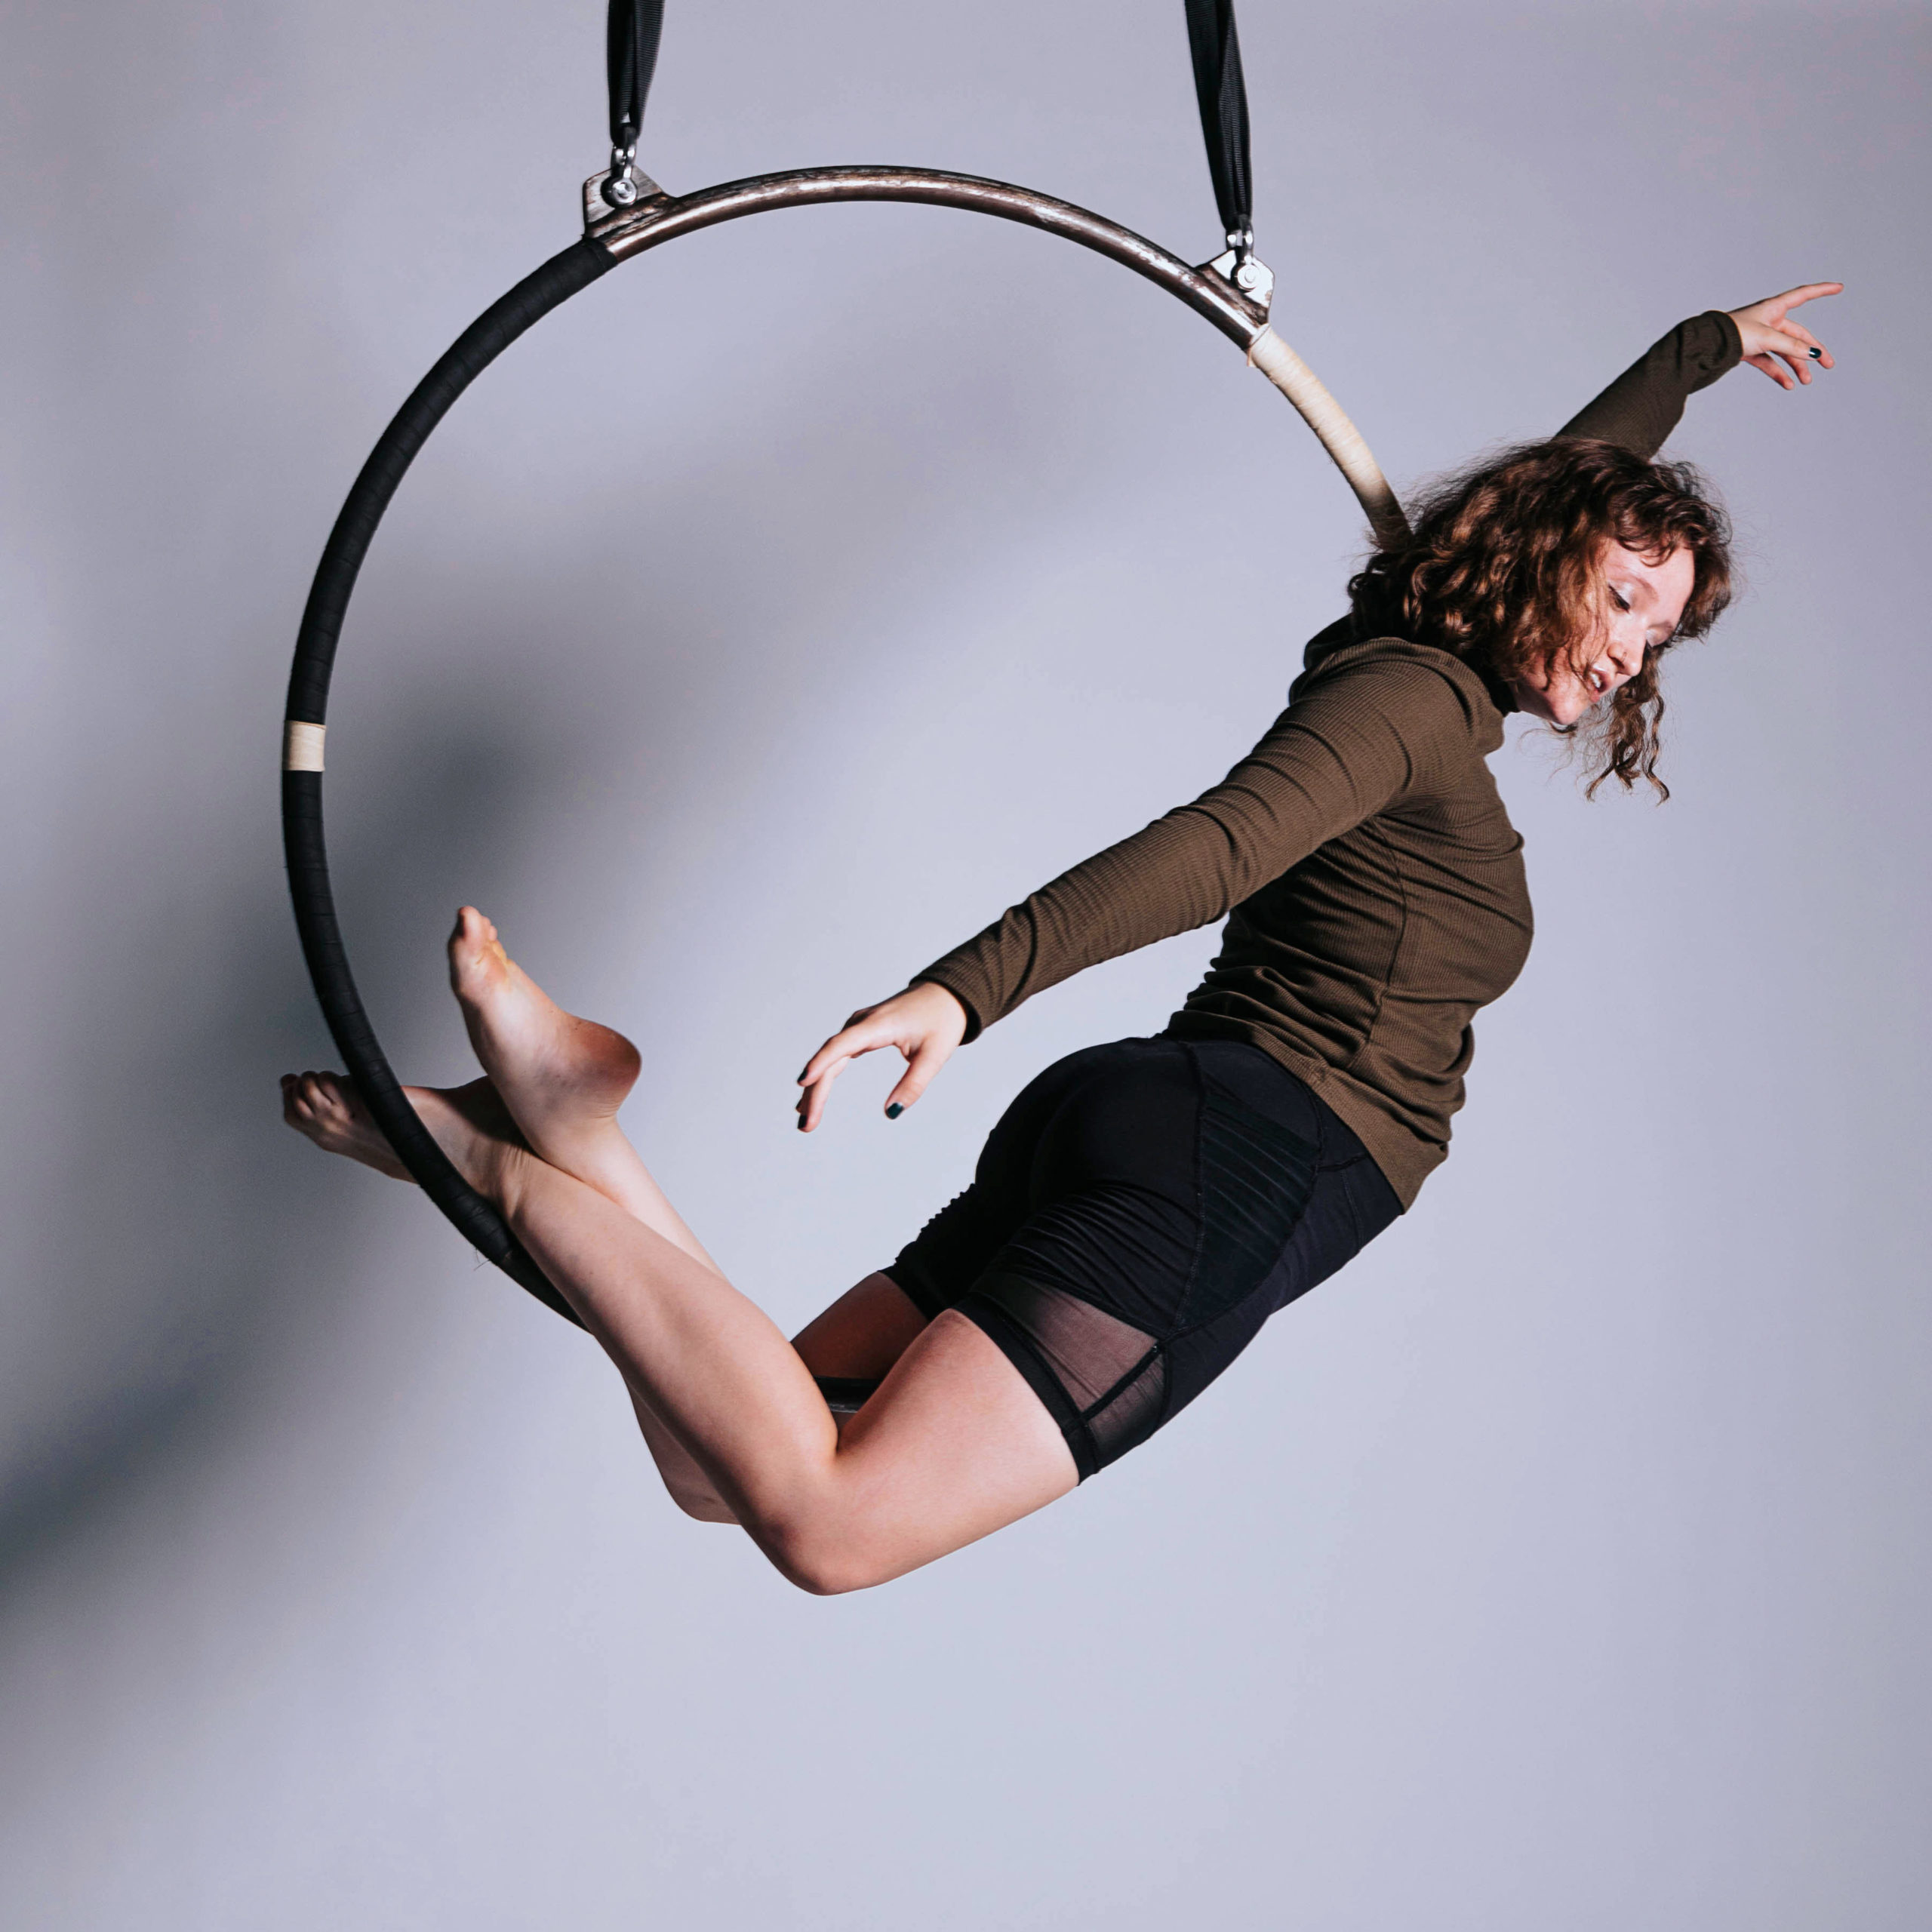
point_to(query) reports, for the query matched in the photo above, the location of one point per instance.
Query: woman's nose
(1626, 651)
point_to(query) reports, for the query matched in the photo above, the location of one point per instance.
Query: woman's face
(1642, 602)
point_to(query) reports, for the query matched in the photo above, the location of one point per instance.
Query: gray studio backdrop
(776, 613)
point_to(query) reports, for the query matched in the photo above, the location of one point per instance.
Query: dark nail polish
(1815, 354)
(894, 1111)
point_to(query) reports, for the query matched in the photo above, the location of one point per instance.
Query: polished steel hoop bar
(662, 217)
(648, 219)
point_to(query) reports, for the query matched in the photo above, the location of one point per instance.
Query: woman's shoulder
(1420, 686)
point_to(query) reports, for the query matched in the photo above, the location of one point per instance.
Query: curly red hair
(1504, 570)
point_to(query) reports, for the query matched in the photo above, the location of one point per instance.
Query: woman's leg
(572, 1076)
(326, 1109)
(861, 1334)
(954, 1445)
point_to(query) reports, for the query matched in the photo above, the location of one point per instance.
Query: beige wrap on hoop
(1340, 437)
(302, 746)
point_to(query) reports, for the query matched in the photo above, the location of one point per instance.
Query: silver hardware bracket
(618, 192)
(1245, 270)
(624, 185)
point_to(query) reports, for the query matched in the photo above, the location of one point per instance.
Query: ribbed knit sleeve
(1641, 407)
(1388, 725)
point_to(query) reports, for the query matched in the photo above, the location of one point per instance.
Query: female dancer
(1142, 1207)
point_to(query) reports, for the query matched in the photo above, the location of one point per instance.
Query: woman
(1142, 1207)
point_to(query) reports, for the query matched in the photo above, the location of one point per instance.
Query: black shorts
(1138, 1212)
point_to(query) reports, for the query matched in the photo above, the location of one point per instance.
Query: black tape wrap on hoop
(500, 325)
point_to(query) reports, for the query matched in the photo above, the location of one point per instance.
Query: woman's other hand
(1771, 339)
(925, 1023)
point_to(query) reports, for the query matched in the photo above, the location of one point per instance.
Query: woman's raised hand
(925, 1023)
(1771, 339)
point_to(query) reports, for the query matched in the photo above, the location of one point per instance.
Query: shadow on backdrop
(215, 1212)
(182, 1251)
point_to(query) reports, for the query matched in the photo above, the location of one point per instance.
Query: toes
(472, 929)
(474, 946)
(314, 1100)
(299, 1101)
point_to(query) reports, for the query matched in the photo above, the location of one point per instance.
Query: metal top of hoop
(660, 216)
(1234, 291)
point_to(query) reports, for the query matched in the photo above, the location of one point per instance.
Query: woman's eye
(1617, 597)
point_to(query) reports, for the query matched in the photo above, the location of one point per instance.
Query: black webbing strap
(632, 29)
(1223, 97)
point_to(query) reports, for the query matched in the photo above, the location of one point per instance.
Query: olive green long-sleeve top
(1371, 881)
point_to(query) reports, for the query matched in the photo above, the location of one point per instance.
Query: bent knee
(825, 1563)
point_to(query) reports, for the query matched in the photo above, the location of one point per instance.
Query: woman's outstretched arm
(1645, 404)
(1339, 754)
(1355, 737)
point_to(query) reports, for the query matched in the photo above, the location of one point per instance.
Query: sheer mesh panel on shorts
(1112, 1371)
(1132, 1413)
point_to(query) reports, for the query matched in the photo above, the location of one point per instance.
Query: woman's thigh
(862, 1334)
(953, 1446)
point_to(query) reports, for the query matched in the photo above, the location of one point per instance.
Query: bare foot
(563, 1079)
(326, 1108)
(470, 1124)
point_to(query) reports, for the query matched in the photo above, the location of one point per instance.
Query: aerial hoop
(627, 214)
